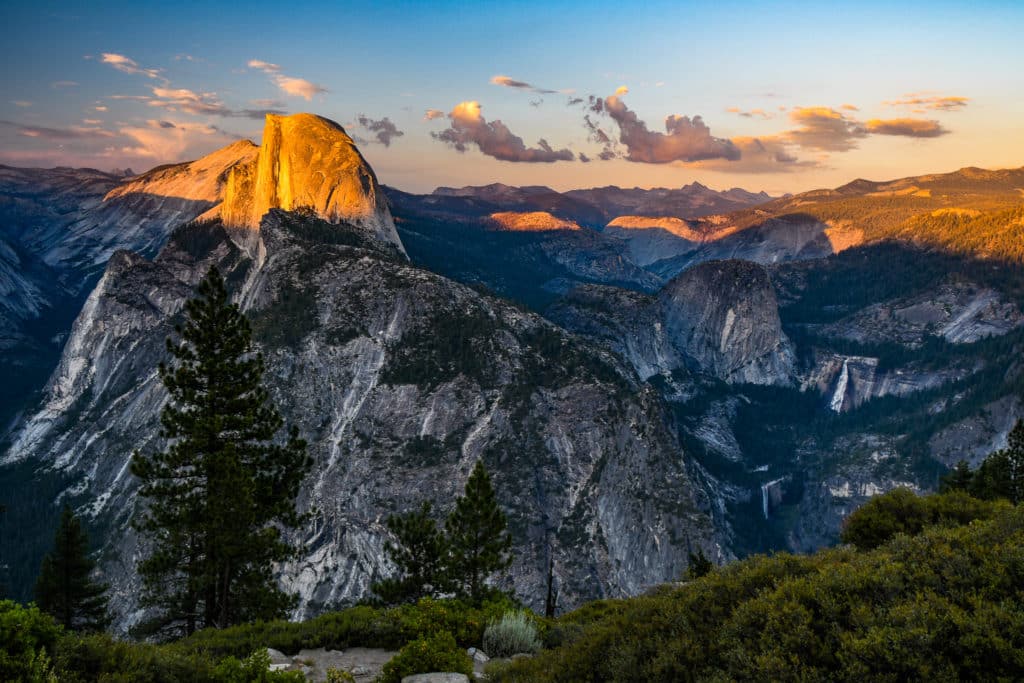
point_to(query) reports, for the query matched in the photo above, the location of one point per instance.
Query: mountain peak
(308, 161)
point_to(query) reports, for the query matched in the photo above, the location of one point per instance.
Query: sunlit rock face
(308, 162)
(530, 221)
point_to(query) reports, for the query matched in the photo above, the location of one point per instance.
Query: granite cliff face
(719, 318)
(307, 162)
(400, 380)
(58, 229)
(726, 317)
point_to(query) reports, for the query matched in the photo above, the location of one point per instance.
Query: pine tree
(957, 479)
(221, 492)
(699, 565)
(420, 554)
(477, 536)
(1001, 475)
(64, 589)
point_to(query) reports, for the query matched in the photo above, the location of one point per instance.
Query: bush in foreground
(27, 640)
(437, 652)
(513, 633)
(901, 511)
(943, 605)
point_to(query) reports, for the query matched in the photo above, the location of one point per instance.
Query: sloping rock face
(719, 318)
(724, 314)
(960, 312)
(308, 162)
(140, 214)
(531, 221)
(848, 382)
(627, 322)
(400, 380)
(58, 229)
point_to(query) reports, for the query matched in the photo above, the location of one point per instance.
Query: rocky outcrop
(308, 162)
(724, 315)
(141, 213)
(532, 221)
(847, 382)
(719, 318)
(960, 312)
(627, 322)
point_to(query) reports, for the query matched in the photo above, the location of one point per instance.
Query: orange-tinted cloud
(763, 154)
(265, 67)
(203, 104)
(933, 102)
(824, 128)
(289, 85)
(127, 65)
(298, 87)
(71, 133)
(165, 141)
(761, 113)
(912, 128)
(467, 126)
(684, 139)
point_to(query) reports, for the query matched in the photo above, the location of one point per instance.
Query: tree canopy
(218, 497)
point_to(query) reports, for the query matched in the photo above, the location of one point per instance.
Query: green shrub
(901, 511)
(101, 657)
(254, 669)
(26, 636)
(513, 633)
(438, 652)
(353, 627)
(943, 605)
(339, 676)
(430, 616)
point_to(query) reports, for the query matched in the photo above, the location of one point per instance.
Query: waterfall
(765, 490)
(836, 404)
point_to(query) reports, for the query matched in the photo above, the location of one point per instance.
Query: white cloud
(289, 85)
(127, 65)
(265, 67)
(298, 87)
(168, 141)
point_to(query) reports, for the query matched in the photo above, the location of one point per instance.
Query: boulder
(437, 678)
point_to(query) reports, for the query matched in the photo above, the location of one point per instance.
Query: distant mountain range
(591, 208)
(646, 372)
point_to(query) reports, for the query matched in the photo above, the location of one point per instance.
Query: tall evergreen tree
(477, 536)
(64, 589)
(959, 478)
(699, 565)
(1001, 475)
(420, 553)
(220, 494)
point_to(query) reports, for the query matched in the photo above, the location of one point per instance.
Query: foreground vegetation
(946, 604)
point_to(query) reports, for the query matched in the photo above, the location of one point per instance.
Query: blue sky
(789, 96)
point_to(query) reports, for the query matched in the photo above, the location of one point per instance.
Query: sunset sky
(782, 97)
